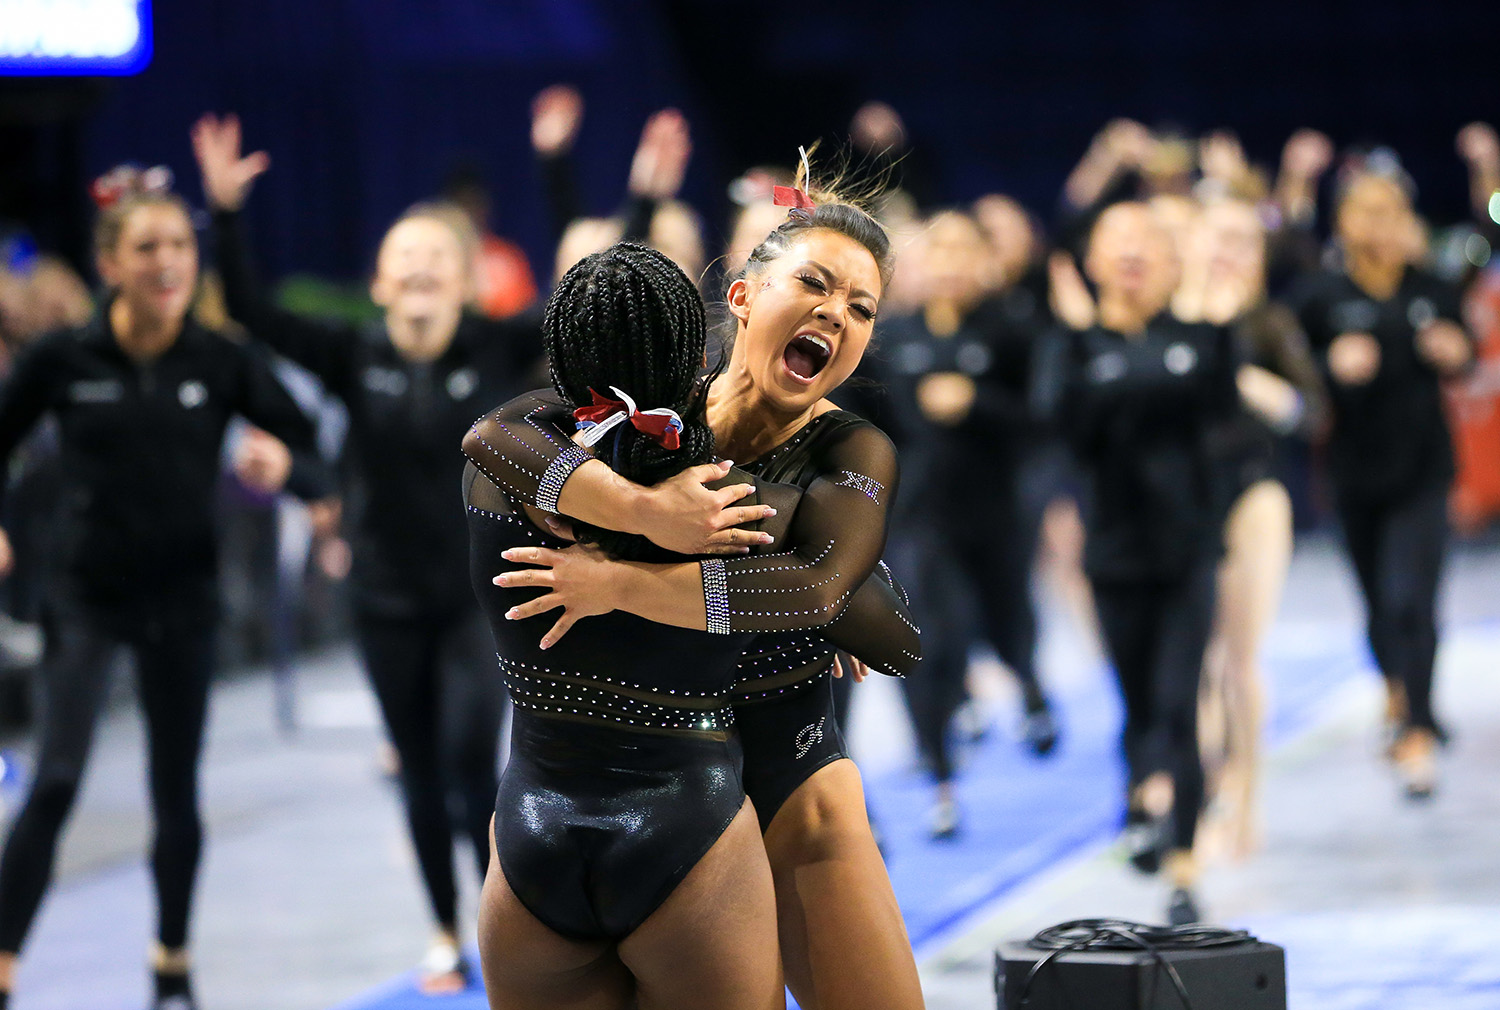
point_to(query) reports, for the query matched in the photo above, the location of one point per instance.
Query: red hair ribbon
(124, 180)
(662, 424)
(791, 196)
(796, 197)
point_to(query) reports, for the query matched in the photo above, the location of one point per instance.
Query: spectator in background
(651, 214)
(1385, 334)
(142, 395)
(1135, 392)
(956, 374)
(505, 286)
(412, 384)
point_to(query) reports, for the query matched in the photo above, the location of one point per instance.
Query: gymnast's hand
(857, 668)
(227, 175)
(683, 516)
(1354, 358)
(1443, 345)
(579, 579)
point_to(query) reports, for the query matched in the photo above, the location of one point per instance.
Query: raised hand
(1222, 158)
(227, 174)
(877, 127)
(1071, 301)
(556, 113)
(1479, 147)
(1307, 154)
(1127, 142)
(661, 158)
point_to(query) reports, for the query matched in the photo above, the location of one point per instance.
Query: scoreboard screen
(44, 38)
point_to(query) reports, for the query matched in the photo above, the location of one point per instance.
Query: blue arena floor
(1022, 814)
(309, 898)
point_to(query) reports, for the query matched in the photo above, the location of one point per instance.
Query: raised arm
(325, 349)
(556, 113)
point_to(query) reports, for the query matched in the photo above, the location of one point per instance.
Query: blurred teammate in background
(412, 385)
(142, 395)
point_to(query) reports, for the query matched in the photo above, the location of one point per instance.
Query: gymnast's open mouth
(806, 355)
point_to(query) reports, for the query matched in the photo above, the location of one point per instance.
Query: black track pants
(174, 663)
(1398, 551)
(441, 694)
(1156, 633)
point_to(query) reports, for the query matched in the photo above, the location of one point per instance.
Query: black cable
(1121, 934)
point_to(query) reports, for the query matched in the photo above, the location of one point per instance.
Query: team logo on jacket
(462, 383)
(1180, 358)
(192, 393)
(96, 391)
(973, 358)
(1354, 316)
(1106, 367)
(390, 381)
(810, 735)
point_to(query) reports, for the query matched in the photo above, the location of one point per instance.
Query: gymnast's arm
(525, 447)
(833, 545)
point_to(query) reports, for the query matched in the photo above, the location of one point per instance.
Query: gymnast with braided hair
(803, 309)
(627, 864)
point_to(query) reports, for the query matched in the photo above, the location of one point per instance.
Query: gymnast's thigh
(529, 966)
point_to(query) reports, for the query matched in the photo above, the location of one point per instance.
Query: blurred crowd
(1000, 477)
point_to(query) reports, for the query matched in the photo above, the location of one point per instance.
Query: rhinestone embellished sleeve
(832, 546)
(716, 597)
(877, 628)
(524, 447)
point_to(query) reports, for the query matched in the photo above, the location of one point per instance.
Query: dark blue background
(366, 104)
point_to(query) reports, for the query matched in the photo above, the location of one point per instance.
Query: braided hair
(629, 317)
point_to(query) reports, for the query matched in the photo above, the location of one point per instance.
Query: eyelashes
(868, 315)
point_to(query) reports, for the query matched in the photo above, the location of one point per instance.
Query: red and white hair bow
(597, 420)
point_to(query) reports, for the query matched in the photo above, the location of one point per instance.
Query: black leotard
(783, 702)
(625, 723)
(1244, 444)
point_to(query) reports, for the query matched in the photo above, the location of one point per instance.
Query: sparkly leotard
(624, 769)
(783, 701)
